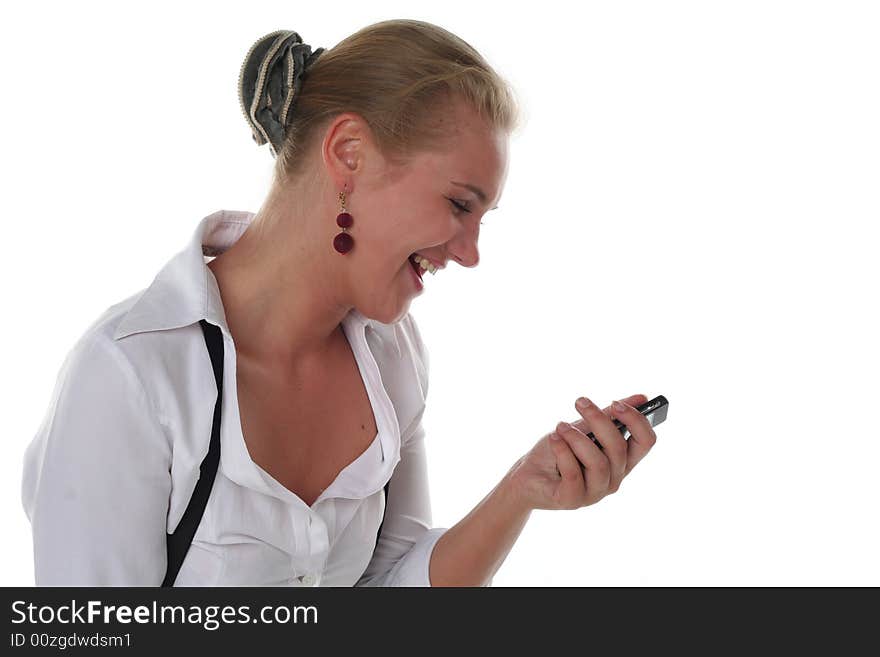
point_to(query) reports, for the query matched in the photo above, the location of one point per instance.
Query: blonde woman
(253, 417)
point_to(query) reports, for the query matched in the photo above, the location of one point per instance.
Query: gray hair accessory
(270, 80)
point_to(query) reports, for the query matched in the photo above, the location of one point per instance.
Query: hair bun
(269, 81)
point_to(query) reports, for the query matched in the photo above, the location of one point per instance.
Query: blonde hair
(401, 76)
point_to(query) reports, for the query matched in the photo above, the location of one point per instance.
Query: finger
(632, 400)
(571, 488)
(613, 443)
(642, 436)
(596, 464)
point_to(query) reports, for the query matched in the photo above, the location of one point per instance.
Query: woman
(389, 149)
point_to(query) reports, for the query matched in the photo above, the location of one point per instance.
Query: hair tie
(269, 81)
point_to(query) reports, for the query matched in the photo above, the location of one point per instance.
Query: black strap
(384, 509)
(178, 543)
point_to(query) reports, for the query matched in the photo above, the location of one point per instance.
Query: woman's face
(424, 207)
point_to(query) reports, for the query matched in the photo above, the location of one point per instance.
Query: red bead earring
(343, 242)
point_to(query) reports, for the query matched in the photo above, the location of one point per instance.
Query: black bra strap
(384, 510)
(178, 543)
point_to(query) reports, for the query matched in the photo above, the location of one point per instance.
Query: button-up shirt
(116, 459)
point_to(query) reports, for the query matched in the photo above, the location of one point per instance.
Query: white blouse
(115, 461)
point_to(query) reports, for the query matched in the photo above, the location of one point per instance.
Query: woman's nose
(468, 256)
(463, 248)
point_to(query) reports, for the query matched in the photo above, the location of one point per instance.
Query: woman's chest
(306, 431)
(251, 539)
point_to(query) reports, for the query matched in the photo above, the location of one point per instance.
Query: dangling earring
(343, 242)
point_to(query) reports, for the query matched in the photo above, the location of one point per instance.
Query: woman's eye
(461, 206)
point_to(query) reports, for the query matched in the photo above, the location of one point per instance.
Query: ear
(347, 142)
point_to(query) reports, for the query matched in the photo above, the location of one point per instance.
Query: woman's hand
(567, 470)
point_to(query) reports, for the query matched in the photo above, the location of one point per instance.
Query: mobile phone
(655, 410)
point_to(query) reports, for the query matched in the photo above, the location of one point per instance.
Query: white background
(691, 210)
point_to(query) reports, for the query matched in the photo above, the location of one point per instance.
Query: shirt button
(309, 579)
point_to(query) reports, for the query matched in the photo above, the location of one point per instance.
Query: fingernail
(562, 426)
(583, 402)
(618, 407)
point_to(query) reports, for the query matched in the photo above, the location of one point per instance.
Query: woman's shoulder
(401, 358)
(400, 348)
(94, 350)
(98, 411)
(410, 333)
(143, 395)
(129, 351)
(105, 325)
(170, 368)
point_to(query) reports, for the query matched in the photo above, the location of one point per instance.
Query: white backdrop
(691, 210)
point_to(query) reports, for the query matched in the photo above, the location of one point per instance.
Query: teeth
(425, 264)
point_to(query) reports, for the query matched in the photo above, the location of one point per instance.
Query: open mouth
(415, 266)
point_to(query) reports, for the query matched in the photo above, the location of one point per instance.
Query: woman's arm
(470, 552)
(97, 481)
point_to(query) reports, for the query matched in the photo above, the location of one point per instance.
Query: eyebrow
(476, 190)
